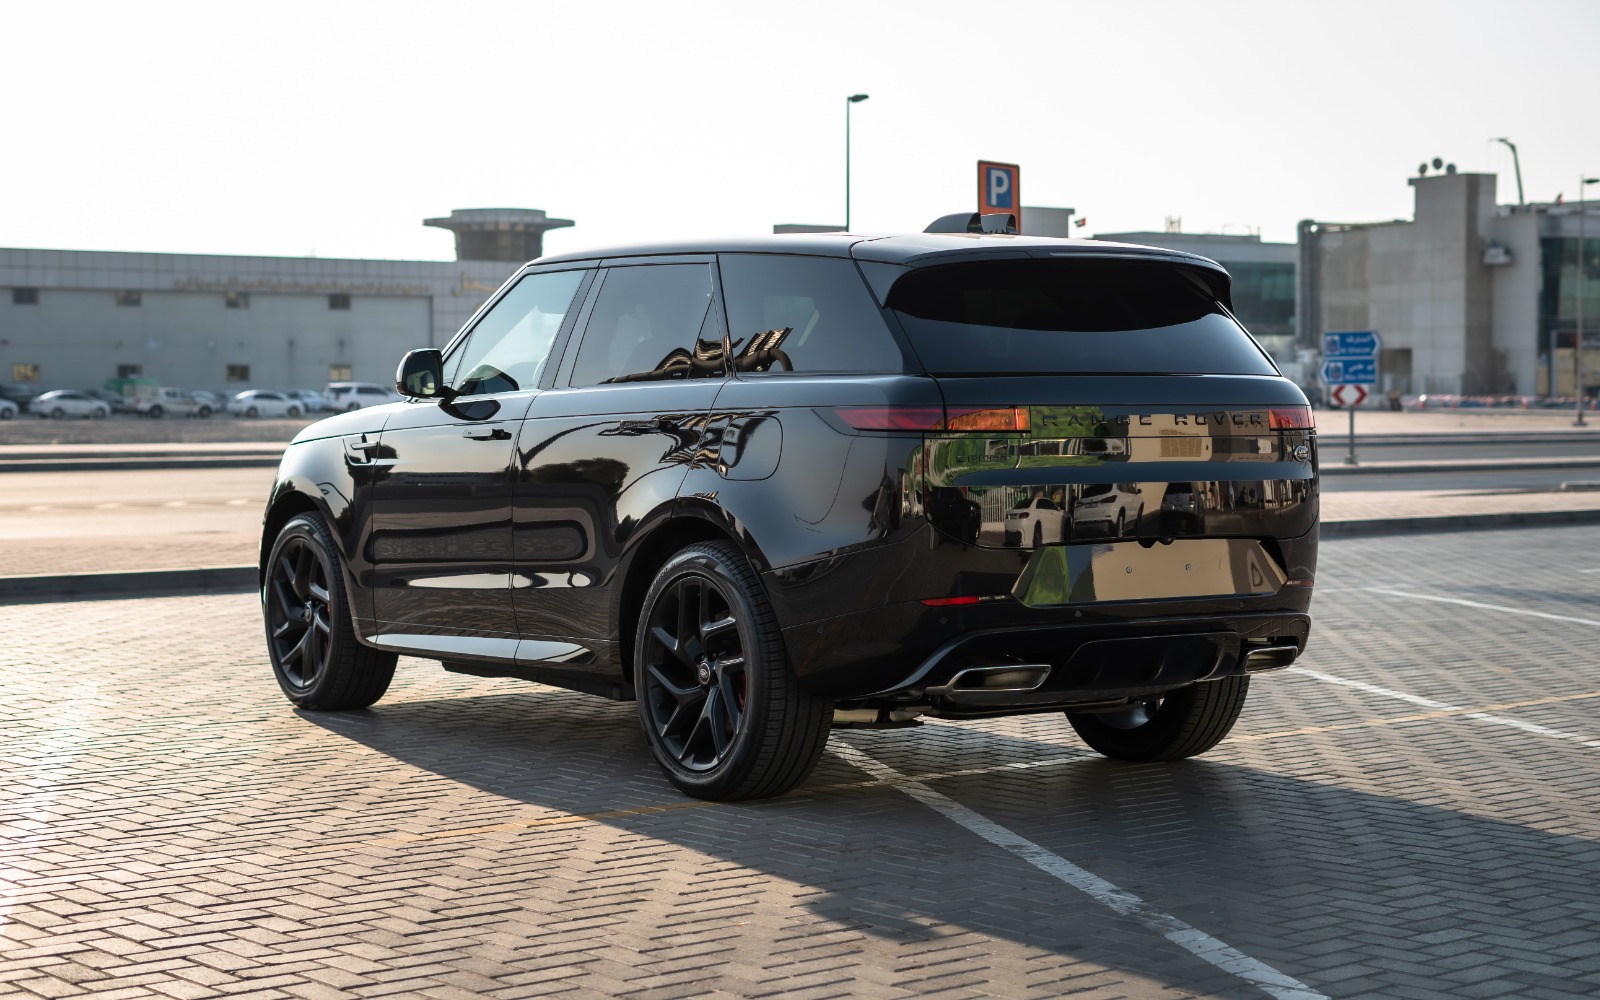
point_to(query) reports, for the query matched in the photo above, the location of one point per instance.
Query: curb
(238, 579)
(1468, 465)
(125, 464)
(134, 583)
(1458, 522)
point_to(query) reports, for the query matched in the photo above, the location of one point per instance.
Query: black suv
(763, 486)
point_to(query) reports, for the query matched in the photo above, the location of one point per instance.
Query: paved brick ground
(169, 827)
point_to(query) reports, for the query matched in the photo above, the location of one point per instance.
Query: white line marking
(1492, 719)
(62, 744)
(1595, 570)
(1486, 607)
(1197, 942)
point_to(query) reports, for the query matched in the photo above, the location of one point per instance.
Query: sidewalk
(221, 533)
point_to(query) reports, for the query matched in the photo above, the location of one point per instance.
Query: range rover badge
(1302, 453)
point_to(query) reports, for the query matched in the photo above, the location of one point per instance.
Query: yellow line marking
(1415, 717)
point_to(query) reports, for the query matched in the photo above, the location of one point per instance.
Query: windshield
(1071, 316)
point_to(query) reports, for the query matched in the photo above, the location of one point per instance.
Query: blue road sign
(1352, 344)
(1350, 371)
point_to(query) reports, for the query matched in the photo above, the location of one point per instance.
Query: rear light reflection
(950, 602)
(1291, 418)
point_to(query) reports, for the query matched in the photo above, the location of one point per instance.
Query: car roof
(912, 248)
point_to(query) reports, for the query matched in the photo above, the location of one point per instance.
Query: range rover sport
(760, 486)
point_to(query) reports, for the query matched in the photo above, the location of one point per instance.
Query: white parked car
(1038, 521)
(340, 396)
(8, 409)
(262, 403)
(1114, 508)
(311, 399)
(160, 402)
(64, 403)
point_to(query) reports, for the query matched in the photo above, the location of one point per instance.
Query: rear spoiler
(974, 222)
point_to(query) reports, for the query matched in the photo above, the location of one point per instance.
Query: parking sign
(999, 188)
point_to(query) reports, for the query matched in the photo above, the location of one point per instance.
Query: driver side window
(509, 346)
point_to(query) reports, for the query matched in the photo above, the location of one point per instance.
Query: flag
(1080, 221)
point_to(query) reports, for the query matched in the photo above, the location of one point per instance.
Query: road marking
(1193, 940)
(1445, 708)
(41, 506)
(1395, 720)
(1595, 570)
(1486, 607)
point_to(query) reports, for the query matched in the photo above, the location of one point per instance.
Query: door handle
(497, 434)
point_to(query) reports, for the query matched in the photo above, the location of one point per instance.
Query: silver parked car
(341, 396)
(63, 403)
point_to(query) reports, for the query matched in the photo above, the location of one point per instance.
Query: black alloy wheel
(695, 678)
(1182, 723)
(723, 712)
(319, 663)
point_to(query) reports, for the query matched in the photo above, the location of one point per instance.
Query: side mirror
(421, 375)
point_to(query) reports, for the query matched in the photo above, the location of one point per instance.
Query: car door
(440, 545)
(608, 445)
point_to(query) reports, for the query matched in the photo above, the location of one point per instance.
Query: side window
(646, 326)
(805, 314)
(507, 348)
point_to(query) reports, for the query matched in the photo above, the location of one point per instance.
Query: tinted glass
(1013, 316)
(811, 314)
(507, 349)
(646, 325)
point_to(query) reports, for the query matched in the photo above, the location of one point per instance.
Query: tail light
(970, 419)
(1291, 418)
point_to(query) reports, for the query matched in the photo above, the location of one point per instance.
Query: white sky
(335, 128)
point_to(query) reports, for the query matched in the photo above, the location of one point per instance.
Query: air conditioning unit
(1496, 254)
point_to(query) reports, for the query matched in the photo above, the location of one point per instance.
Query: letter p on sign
(999, 187)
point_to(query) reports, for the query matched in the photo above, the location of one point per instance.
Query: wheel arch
(688, 524)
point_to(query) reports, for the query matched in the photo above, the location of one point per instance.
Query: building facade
(76, 318)
(1470, 297)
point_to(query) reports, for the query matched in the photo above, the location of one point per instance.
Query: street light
(1516, 162)
(848, 101)
(1577, 342)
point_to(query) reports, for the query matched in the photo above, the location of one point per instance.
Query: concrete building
(1263, 280)
(1470, 296)
(75, 318)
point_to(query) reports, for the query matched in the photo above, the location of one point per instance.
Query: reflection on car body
(747, 483)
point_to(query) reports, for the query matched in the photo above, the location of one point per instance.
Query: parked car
(19, 393)
(163, 400)
(8, 409)
(310, 399)
(1039, 519)
(693, 475)
(1111, 508)
(262, 403)
(61, 403)
(354, 395)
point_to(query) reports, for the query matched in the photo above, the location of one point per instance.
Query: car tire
(352, 407)
(6, 413)
(318, 661)
(721, 709)
(1038, 535)
(100, 414)
(1184, 723)
(293, 411)
(252, 412)
(156, 412)
(204, 413)
(1122, 524)
(58, 414)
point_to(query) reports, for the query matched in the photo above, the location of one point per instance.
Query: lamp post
(1577, 340)
(848, 102)
(1515, 162)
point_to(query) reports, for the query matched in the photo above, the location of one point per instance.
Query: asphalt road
(1412, 811)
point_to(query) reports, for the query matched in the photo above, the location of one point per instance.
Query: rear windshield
(1091, 316)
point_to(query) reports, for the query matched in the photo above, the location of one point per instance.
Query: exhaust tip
(1269, 658)
(1017, 677)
